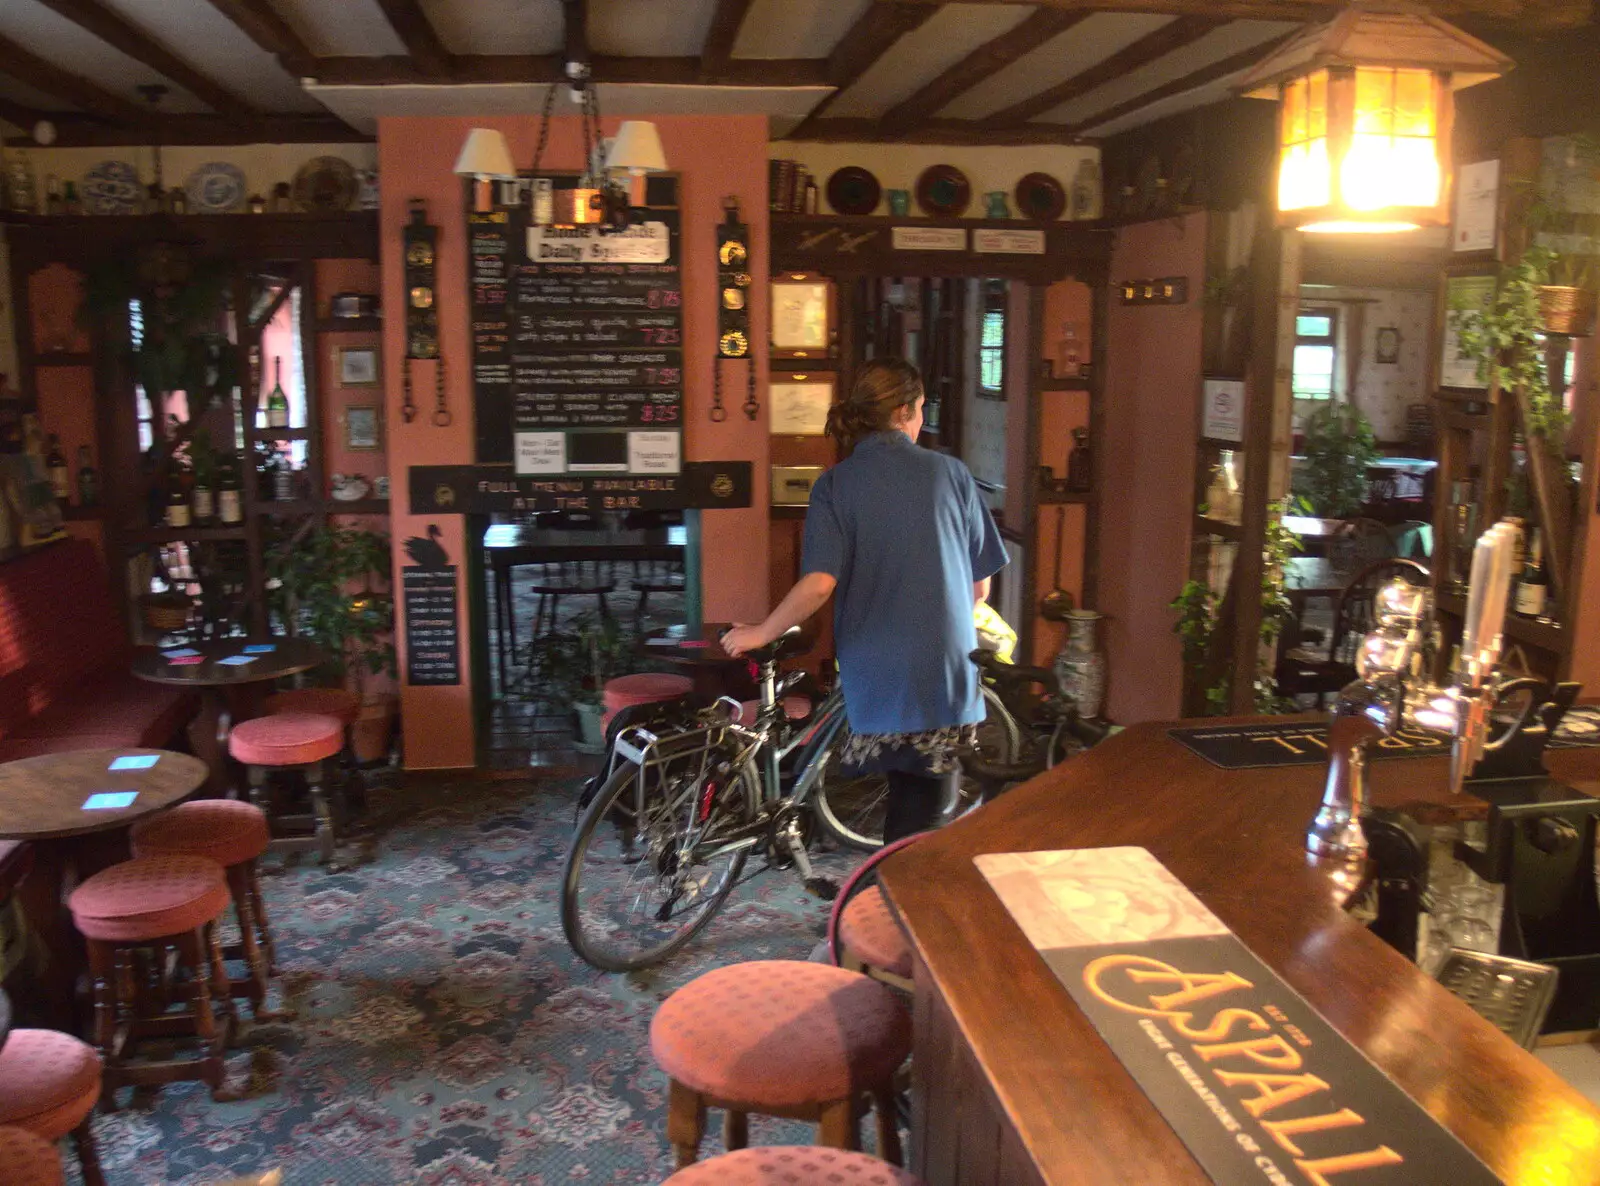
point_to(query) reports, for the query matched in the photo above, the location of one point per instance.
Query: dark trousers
(915, 801)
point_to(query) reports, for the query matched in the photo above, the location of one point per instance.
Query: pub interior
(401, 401)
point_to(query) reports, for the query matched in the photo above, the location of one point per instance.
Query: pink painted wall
(715, 156)
(1152, 389)
(1059, 413)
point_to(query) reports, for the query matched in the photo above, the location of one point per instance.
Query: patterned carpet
(446, 1035)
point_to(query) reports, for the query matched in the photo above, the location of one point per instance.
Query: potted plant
(1339, 446)
(1565, 241)
(574, 663)
(331, 585)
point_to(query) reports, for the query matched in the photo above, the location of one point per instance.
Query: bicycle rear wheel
(852, 808)
(635, 887)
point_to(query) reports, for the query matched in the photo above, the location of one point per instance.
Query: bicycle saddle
(791, 642)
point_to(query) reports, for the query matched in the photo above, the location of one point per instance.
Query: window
(992, 342)
(1315, 346)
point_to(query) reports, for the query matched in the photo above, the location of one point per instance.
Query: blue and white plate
(112, 187)
(216, 188)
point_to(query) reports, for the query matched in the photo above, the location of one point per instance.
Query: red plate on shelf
(1040, 197)
(853, 190)
(943, 191)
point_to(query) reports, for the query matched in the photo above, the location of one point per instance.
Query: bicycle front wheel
(647, 869)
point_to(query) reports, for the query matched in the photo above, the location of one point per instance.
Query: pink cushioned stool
(49, 1083)
(292, 742)
(30, 1160)
(783, 1038)
(873, 941)
(793, 1165)
(234, 835)
(156, 902)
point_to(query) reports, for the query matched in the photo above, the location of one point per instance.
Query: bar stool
(872, 940)
(647, 687)
(234, 835)
(161, 902)
(793, 1165)
(341, 704)
(49, 1084)
(30, 1160)
(292, 741)
(782, 1038)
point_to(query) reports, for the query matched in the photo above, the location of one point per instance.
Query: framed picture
(799, 403)
(358, 366)
(802, 316)
(1388, 345)
(363, 427)
(1462, 292)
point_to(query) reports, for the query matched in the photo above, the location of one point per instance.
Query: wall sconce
(485, 157)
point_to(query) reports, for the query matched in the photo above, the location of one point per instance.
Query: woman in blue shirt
(899, 536)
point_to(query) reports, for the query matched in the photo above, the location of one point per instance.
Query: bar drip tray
(1512, 995)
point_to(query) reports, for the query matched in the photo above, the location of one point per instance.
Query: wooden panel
(843, 246)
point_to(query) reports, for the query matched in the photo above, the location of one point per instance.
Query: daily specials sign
(1256, 1084)
(577, 345)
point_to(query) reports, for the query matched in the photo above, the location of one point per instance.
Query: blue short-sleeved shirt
(905, 533)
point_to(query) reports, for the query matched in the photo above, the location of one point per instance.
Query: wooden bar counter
(1011, 1083)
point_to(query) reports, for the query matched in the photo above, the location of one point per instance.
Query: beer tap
(1390, 690)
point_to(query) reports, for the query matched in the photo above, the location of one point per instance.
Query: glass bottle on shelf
(177, 514)
(88, 479)
(283, 481)
(1071, 351)
(202, 502)
(1224, 502)
(1533, 586)
(22, 185)
(277, 401)
(54, 203)
(177, 201)
(230, 492)
(69, 200)
(55, 464)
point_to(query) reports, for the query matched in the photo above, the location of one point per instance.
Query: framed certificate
(802, 316)
(800, 403)
(1462, 293)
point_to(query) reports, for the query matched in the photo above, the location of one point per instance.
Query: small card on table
(134, 762)
(110, 800)
(236, 660)
(187, 660)
(260, 648)
(181, 653)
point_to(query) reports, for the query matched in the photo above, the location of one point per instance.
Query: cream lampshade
(485, 157)
(637, 148)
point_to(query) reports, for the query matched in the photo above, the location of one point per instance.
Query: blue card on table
(134, 762)
(180, 653)
(236, 660)
(110, 800)
(260, 648)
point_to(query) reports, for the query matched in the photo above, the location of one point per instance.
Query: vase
(591, 728)
(1081, 665)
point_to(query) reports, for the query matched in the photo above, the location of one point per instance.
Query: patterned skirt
(929, 752)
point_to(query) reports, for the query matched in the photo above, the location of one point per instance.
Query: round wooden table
(228, 693)
(714, 671)
(46, 801)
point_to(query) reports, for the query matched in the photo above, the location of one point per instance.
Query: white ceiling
(796, 28)
(496, 26)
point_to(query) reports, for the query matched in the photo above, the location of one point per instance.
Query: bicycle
(665, 837)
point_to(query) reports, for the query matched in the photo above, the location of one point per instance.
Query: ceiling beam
(984, 62)
(21, 115)
(933, 131)
(726, 22)
(416, 32)
(1178, 86)
(1153, 46)
(875, 31)
(470, 69)
(76, 131)
(25, 67)
(116, 31)
(1505, 14)
(260, 22)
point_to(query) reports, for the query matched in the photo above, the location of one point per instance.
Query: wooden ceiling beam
(470, 69)
(874, 33)
(28, 68)
(933, 131)
(260, 22)
(417, 34)
(1504, 14)
(984, 62)
(116, 31)
(1189, 82)
(717, 51)
(1152, 47)
(76, 131)
(21, 115)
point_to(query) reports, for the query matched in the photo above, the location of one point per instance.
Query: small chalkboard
(433, 639)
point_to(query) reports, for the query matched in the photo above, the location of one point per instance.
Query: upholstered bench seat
(792, 1165)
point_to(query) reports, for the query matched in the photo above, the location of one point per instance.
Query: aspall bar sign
(645, 243)
(1257, 1085)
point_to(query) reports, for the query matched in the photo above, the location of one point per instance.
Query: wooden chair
(1298, 675)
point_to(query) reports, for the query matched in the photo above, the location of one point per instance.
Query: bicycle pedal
(825, 888)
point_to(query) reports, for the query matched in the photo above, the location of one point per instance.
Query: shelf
(167, 535)
(349, 325)
(280, 434)
(1055, 498)
(1220, 527)
(330, 506)
(63, 358)
(287, 506)
(1546, 635)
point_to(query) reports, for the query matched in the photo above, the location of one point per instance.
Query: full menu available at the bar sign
(433, 638)
(577, 345)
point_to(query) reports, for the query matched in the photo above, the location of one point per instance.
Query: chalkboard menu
(433, 642)
(577, 344)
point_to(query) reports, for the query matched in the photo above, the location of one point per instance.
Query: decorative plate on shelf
(853, 190)
(216, 188)
(325, 185)
(112, 187)
(1040, 197)
(943, 191)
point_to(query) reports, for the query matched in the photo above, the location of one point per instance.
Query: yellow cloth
(994, 632)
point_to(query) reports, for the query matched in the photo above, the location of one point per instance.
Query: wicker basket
(164, 613)
(1568, 311)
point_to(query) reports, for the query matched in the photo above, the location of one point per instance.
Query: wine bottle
(1533, 588)
(69, 202)
(201, 501)
(177, 513)
(88, 479)
(55, 463)
(230, 492)
(277, 401)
